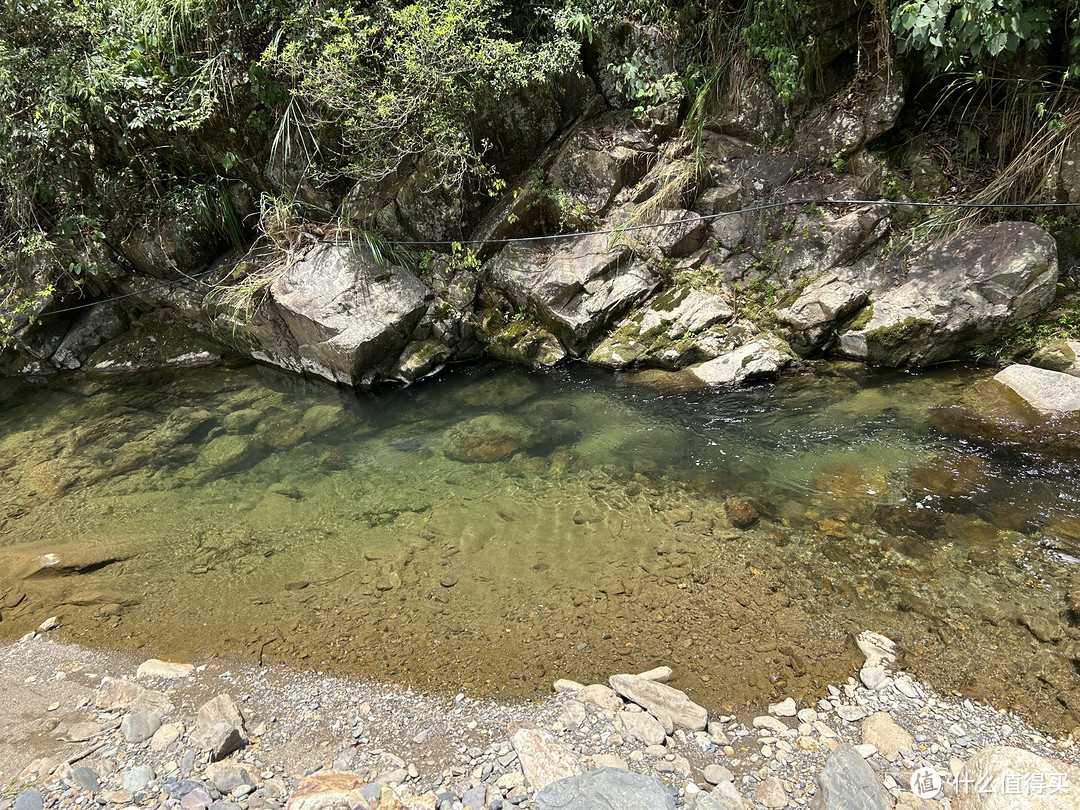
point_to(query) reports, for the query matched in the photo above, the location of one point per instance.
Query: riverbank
(75, 734)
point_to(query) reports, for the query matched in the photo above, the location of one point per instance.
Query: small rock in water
(741, 512)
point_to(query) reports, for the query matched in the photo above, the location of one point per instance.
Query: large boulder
(347, 311)
(1006, 778)
(760, 358)
(1059, 355)
(813, 316)
(958, 295)
(575, 288)
(605, 789)
(1023, 407)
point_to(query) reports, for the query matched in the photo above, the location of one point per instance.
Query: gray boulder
(575, 288)
(605, 789)
(848, 125)
(848, 783)
(98, 324)
(347, 312)
(958, 295)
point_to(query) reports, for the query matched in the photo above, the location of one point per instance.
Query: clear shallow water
(499, 529)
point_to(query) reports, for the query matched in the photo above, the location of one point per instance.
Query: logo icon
(925, 783)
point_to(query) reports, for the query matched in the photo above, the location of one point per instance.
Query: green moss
(862, 320)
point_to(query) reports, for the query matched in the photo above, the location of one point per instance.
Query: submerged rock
(958, 295)
(487, 438)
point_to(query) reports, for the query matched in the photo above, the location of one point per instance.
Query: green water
(496, 529)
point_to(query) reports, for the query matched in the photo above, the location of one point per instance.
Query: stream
(495, 529)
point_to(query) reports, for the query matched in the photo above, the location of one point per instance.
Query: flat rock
(717, 774)
(884, 733)
(641, 726)
(1047, 391)
(154, 668)
(879, 650)
(851, 714)
(848, 783)
(543, 759)
(605, 789)
(32, 800)
(999, 767)
(603, 697)
(114, 693)
(668, 705)
(166, 736)
(80, 732)
(86, 778)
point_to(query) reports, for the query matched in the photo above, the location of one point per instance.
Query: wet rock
(763, 357)
(958, 295)
(543, 760)
(741, 512)
(575, 289)
(520, 341)
(885, 734)
(1059, 355)
(848, 783)
(347, 312)
(320, 419)
(227, 453)
(670, 706)
(487, 438)
(640, 726)
(990, 767)
(605, 789)
(501, 392)
(1047, 391)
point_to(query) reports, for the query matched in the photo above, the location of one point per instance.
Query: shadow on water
(496, 528)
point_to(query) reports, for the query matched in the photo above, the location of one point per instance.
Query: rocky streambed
(83, 729)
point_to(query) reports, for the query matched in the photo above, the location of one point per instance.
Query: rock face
(346, 312)
(763, 357)
(1007, 772)
(668, 705)
(969, 291)
(574, 288)
(848, 783)
(813, 315)
(605, 789)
